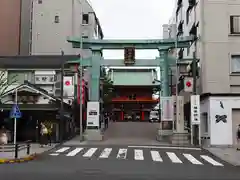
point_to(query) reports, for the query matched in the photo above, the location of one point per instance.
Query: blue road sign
(15, 112)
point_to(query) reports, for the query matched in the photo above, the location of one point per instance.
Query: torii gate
(96, 61)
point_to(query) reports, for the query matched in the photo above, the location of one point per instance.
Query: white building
(217, 26)
(55, 20)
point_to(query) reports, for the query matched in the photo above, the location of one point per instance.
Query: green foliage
(4, 84)
(107, 87)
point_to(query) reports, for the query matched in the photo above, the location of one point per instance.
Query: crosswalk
(136, 154)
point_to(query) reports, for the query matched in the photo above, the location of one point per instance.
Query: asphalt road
(140, 163)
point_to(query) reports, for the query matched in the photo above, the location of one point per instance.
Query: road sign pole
(15, 121)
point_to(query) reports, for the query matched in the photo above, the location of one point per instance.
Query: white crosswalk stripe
(135, 154)
(156, 156)
(74, 152)
(138, 154)
(211, 160)
(90, 152)
(122, 154)
(192, 159)
(173, 157)
(62, 149)
(106, 152)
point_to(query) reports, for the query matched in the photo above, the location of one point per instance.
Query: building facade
(34, 48)
(216, 24)
(35, 22)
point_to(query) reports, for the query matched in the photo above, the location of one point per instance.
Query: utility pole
(61, 96)
(81, 79)
(194, 73)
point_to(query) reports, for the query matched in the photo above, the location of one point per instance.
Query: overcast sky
(133, 19)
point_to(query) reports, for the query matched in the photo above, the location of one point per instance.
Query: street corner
(19, 160)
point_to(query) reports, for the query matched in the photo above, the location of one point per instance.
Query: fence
(16, 148)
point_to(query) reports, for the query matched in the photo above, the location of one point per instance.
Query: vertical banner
(167, 113)
(195, 109)
(93, 114)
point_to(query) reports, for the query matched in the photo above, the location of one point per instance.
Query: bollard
(28, 148)
(16, 151)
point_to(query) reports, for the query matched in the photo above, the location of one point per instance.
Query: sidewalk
(230, 155)
(9, 157)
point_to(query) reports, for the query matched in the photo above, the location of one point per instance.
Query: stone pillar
(93, 133)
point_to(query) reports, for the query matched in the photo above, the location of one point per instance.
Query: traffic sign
(15, 112)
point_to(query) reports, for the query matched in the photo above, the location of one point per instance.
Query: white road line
(165, 147)
(211, 160)
(74, 152)
(54, 154)
(62, 149)
(138, 154)
(192, 159)
(156, 156)
(122, 154)
(90, 152)
(106, 152)
(173, 157)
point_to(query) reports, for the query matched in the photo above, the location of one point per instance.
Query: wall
(205, 125)
(55, 34)
(9, 26)
(221, 133)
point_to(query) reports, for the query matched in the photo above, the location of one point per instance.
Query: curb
(18, 160)
(219, 157)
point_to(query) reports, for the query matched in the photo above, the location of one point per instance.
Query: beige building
(217, 26)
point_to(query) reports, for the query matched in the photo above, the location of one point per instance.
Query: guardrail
(16, 148)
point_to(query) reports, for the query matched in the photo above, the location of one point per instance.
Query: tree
(107, 88)
(4, 84)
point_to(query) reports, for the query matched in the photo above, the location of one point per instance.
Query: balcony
(191, 18)
(191, 4)
(179, 5)
(180, 28)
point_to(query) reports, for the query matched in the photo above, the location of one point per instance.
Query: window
(39, 1)
(18, 77)
(235, 63)
(56, 19)
(235, 24)
(85, 19)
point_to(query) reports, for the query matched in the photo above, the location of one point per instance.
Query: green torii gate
(96, 61)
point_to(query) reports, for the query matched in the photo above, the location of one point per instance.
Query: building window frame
(56, 19)
(85, 19)
(235, 24)
(235, 63)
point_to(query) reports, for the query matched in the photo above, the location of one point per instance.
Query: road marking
(138, 154)
(90, 152)
(192, 159)
(122, 154)
(74, 152)
(165, 147)
(106, 152)
(62, 150)
(173, 157)
(156, 156)
(54, 154)
(211, 160)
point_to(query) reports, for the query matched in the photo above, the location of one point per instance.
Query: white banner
(167, 113)
(195, 109)
(93, 109)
